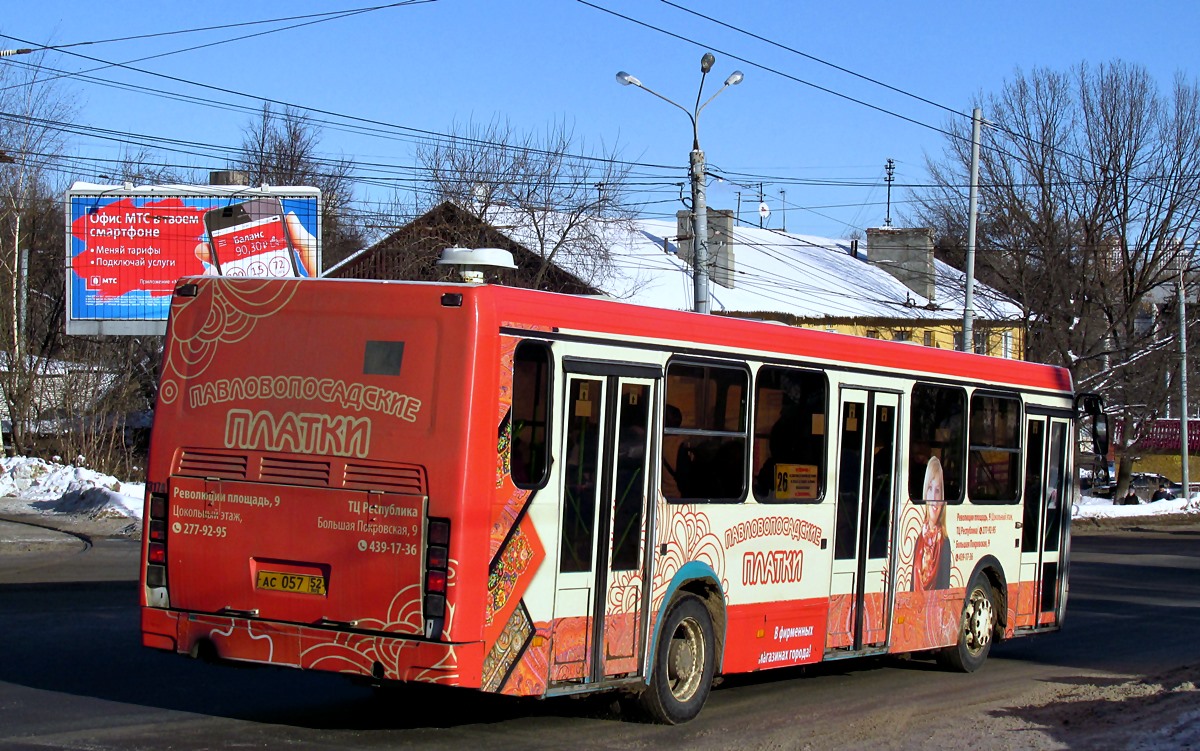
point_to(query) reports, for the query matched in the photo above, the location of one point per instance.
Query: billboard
(127, 247)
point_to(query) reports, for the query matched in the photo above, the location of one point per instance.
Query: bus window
(704, 434)
(789, 435)
(936, 443)
(530, 403)
(630, 473)
(581, 468)
(994, 462)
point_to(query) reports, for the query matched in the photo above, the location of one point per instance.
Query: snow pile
(1090, 507)
(36, 486)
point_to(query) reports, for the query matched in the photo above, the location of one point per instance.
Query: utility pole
(783, 206)
(968, 344)
(1184, 435)
(890, 169)
(696, 173)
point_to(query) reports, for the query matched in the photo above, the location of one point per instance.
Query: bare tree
(282, 149)
(544, 189)
(31, 140)
(137, 165)
(1090, 199)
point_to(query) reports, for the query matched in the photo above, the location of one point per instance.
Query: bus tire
(976, 628)
(681, 674)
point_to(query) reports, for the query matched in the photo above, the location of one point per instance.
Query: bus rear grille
(212, 464)
(294, 471)
(409, 479)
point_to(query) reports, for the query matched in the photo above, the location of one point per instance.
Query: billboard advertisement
(127, 247)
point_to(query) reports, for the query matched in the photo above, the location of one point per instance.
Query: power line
(230, 25)
(816, 59)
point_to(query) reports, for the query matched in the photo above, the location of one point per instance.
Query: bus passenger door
(1041, 596)
(861, 581)
(601, 591)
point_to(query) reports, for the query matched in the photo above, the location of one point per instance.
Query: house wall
(1001, 341)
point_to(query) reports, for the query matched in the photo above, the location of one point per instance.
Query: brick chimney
(905, 253)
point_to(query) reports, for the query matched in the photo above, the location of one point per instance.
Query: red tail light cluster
(437, 565)
(156, 550)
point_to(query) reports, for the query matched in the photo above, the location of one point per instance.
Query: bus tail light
(156, 552)
(437, 565)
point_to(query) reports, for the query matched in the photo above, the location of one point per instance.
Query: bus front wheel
(682, 672)
(976, 628)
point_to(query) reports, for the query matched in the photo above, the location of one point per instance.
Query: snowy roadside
(71, 498)
(79, 499)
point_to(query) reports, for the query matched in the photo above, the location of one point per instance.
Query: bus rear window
(530, 407)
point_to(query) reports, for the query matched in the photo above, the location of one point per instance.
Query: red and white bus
(537, 494)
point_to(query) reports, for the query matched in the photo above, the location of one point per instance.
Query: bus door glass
(860, 586)
(1046, 503)
(599, 608)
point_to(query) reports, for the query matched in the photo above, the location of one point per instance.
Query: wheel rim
(685, 660)
(979, 620)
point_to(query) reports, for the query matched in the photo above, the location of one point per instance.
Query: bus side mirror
(1100, 434)
(1092, 405)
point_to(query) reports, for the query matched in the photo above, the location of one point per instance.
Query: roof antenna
(472, 262)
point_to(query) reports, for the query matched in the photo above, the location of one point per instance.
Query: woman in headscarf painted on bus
(931, 559)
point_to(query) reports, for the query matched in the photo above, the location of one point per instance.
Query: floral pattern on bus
(359, 653)
(507, 650)
(688, 536)
(232, 313)
(528, 676)
(511, 501)
(518, 554)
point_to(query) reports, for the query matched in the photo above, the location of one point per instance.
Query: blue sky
(428, 66)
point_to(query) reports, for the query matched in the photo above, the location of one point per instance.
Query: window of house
(529, 441)
(994, 460)
(872, 333)
(789, 435)
(928, 338)
(705, 433)
(902, 336)
(937, 443)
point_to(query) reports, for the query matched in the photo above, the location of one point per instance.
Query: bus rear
(288, 516)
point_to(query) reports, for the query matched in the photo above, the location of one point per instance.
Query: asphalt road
(73, 675)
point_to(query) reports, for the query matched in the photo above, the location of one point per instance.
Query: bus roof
(533, 309)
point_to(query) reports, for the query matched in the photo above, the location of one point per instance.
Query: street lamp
(696, 171)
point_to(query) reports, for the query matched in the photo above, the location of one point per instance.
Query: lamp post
(696, 171)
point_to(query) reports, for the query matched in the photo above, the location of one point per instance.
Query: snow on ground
(1090, 507)
(34, 486)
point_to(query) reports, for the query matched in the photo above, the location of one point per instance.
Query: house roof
(775, 273)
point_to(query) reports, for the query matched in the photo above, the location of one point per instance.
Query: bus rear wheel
(976, 628)
(682, 672)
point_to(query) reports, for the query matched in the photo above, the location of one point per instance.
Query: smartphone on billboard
(251, 239)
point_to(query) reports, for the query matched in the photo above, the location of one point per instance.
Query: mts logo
(98, 280)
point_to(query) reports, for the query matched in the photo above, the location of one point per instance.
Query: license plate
(280, 582)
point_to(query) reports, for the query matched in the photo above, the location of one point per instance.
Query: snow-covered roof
(773, 272)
